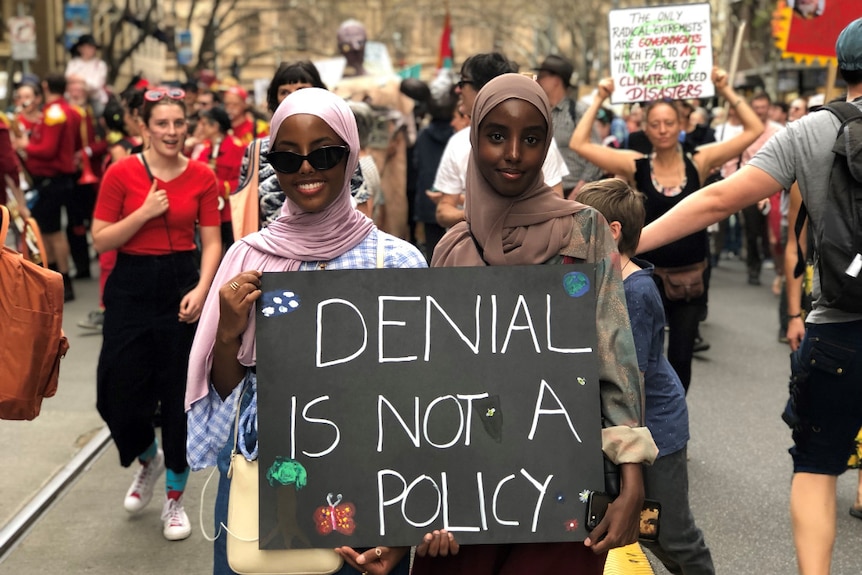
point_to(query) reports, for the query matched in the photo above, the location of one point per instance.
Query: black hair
(785, 107)
(852, 77)
(133, 100)
(55, 83)
(364, 115)
(442, 108)
(482, 68)
(37, 89)
(113, 116)
(219, 116)
(301, 72)
(213, 93)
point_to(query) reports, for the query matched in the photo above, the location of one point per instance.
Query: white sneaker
(177, 524)
(141, 490)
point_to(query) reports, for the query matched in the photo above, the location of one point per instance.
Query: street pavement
(739, 467)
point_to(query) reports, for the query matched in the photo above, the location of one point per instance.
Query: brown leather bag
(684, 282)
(31, 331)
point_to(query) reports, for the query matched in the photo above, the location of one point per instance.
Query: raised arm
(709, 205)
(711, 156)
(613, 161)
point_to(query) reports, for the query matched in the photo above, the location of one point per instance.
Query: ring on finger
(234, 286)
(378, 551)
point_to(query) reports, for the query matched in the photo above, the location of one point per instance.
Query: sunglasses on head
(160, 94)
(324, 158)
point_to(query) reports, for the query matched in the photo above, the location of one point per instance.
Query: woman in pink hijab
(314, 149)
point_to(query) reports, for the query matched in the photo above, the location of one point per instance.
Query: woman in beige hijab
(513, 218)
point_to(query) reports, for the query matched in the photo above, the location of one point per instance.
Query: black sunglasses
(462, 82)
(324, 158)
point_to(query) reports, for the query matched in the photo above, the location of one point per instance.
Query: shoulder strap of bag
(147, 167)
(4, 224)
(381, 251)
(255, 161)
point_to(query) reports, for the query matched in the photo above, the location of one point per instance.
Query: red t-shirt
(250, 129)
(51, 150)
(227, 166)
(193, 197)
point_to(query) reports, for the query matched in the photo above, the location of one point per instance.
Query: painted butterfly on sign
(335, 516)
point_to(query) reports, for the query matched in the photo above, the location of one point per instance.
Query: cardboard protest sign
(661, 53)
(397, 401)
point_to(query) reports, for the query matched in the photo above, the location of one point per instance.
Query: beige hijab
(527, 229)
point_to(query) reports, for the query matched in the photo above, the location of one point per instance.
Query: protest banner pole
(831, 76)
(734, 59)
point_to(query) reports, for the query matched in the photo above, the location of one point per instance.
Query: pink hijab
(527, 229)
(295, 237)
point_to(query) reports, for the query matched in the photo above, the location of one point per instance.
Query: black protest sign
(397, 401)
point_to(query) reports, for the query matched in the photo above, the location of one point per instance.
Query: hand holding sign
(377, 560)
(439, 543)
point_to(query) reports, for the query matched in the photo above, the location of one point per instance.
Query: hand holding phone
(598, 503)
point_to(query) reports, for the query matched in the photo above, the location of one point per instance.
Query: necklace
(625, 266)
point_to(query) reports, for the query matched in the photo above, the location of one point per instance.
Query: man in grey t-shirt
(554, 77)
(825, 409)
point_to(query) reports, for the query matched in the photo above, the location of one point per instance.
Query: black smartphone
(598, 503)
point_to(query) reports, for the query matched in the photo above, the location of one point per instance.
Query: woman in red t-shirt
(223, 153)
(149, 207)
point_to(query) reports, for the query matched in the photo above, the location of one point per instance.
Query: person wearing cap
(86, 64)
(243, 123)
(555, 74)
(826, 406)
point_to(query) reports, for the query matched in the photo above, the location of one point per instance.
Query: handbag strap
(255, 161)
(381, 251)
(4, 223)
(233, 453)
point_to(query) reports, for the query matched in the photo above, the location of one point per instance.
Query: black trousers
(145, 354)
(756, 238)
(79, 210)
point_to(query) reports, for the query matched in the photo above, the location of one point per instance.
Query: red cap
(239, 91)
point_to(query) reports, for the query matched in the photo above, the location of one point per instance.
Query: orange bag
(31, 331)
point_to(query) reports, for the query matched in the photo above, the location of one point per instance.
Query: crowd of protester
(133, 186)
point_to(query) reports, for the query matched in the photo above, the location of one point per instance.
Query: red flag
(445, 56)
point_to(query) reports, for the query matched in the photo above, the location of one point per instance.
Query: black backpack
(838, 238)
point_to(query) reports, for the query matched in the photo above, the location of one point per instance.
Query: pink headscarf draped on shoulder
(295, 237)
(527, 229)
